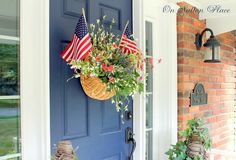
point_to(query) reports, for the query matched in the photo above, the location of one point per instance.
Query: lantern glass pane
(212, 54)
(217, 52)
(208, 54)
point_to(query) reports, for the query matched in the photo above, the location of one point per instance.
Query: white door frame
(165, 77)
(34, 75)
(35, 93)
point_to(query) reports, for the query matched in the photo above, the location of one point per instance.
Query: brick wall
(218, 80)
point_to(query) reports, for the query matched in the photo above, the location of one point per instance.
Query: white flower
(92, 75)
(73, 67)
(92, 26)
(77, 76)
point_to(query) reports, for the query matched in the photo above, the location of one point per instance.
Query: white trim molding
(9, 38)
(10, 156)
(139, 118)
(165, 80)
(34, 71)
(165, 77)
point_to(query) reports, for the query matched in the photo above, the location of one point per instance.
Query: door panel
(93, 125)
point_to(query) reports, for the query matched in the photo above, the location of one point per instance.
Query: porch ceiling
(201, 3)
(218, 21)
(211, 1)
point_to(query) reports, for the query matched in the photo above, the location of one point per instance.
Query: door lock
(129, 115)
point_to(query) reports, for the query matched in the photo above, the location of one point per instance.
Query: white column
(34, 40)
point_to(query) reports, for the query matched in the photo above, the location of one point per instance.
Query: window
(149, 91)
(9, 80)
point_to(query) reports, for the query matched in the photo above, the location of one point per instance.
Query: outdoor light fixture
(212, 44)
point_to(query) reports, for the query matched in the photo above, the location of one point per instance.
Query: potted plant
(196, 141)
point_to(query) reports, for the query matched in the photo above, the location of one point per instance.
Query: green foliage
(179, 150)
(8, 130)
(9, 103)
(9, 61)
(196, 127)
(121, 72)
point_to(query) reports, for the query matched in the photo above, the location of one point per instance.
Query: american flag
(127, 42)
(80, 45)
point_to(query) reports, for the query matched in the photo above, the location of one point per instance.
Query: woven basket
(64, 151)
(196, 147)
(95, 88)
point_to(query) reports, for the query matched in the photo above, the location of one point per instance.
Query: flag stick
(124, 31)
(83, 12)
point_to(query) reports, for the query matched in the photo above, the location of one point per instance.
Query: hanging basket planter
(107, 65)
(95, 88)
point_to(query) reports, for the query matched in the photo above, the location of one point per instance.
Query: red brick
(210, 71)
(185, 117)
(204, 78)
(187, 69)
(183, 78)
(221, 117)
(186, 28)
(229, 79)
(227, 85)
(194, 109)
(184, 102)
(211, 119)
(212, 85)
(213, 99)
(225, 92)
(182, 60)
(212, 92)
(226, 97)
(194, 78)
(227, 73)
(227, 48)
(205, 108)
(185, 86)
(218, 79)
(212, 79)
(198, 70)
(199, 24)
(185, 19)
(222, 142)
(186, 45)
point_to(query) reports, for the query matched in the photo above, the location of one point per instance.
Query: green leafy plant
(196, 127)
(122, 72)
(180, 149)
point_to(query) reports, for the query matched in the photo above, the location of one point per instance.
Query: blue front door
(94, 126)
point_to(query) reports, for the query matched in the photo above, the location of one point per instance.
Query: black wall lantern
(212, 44)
